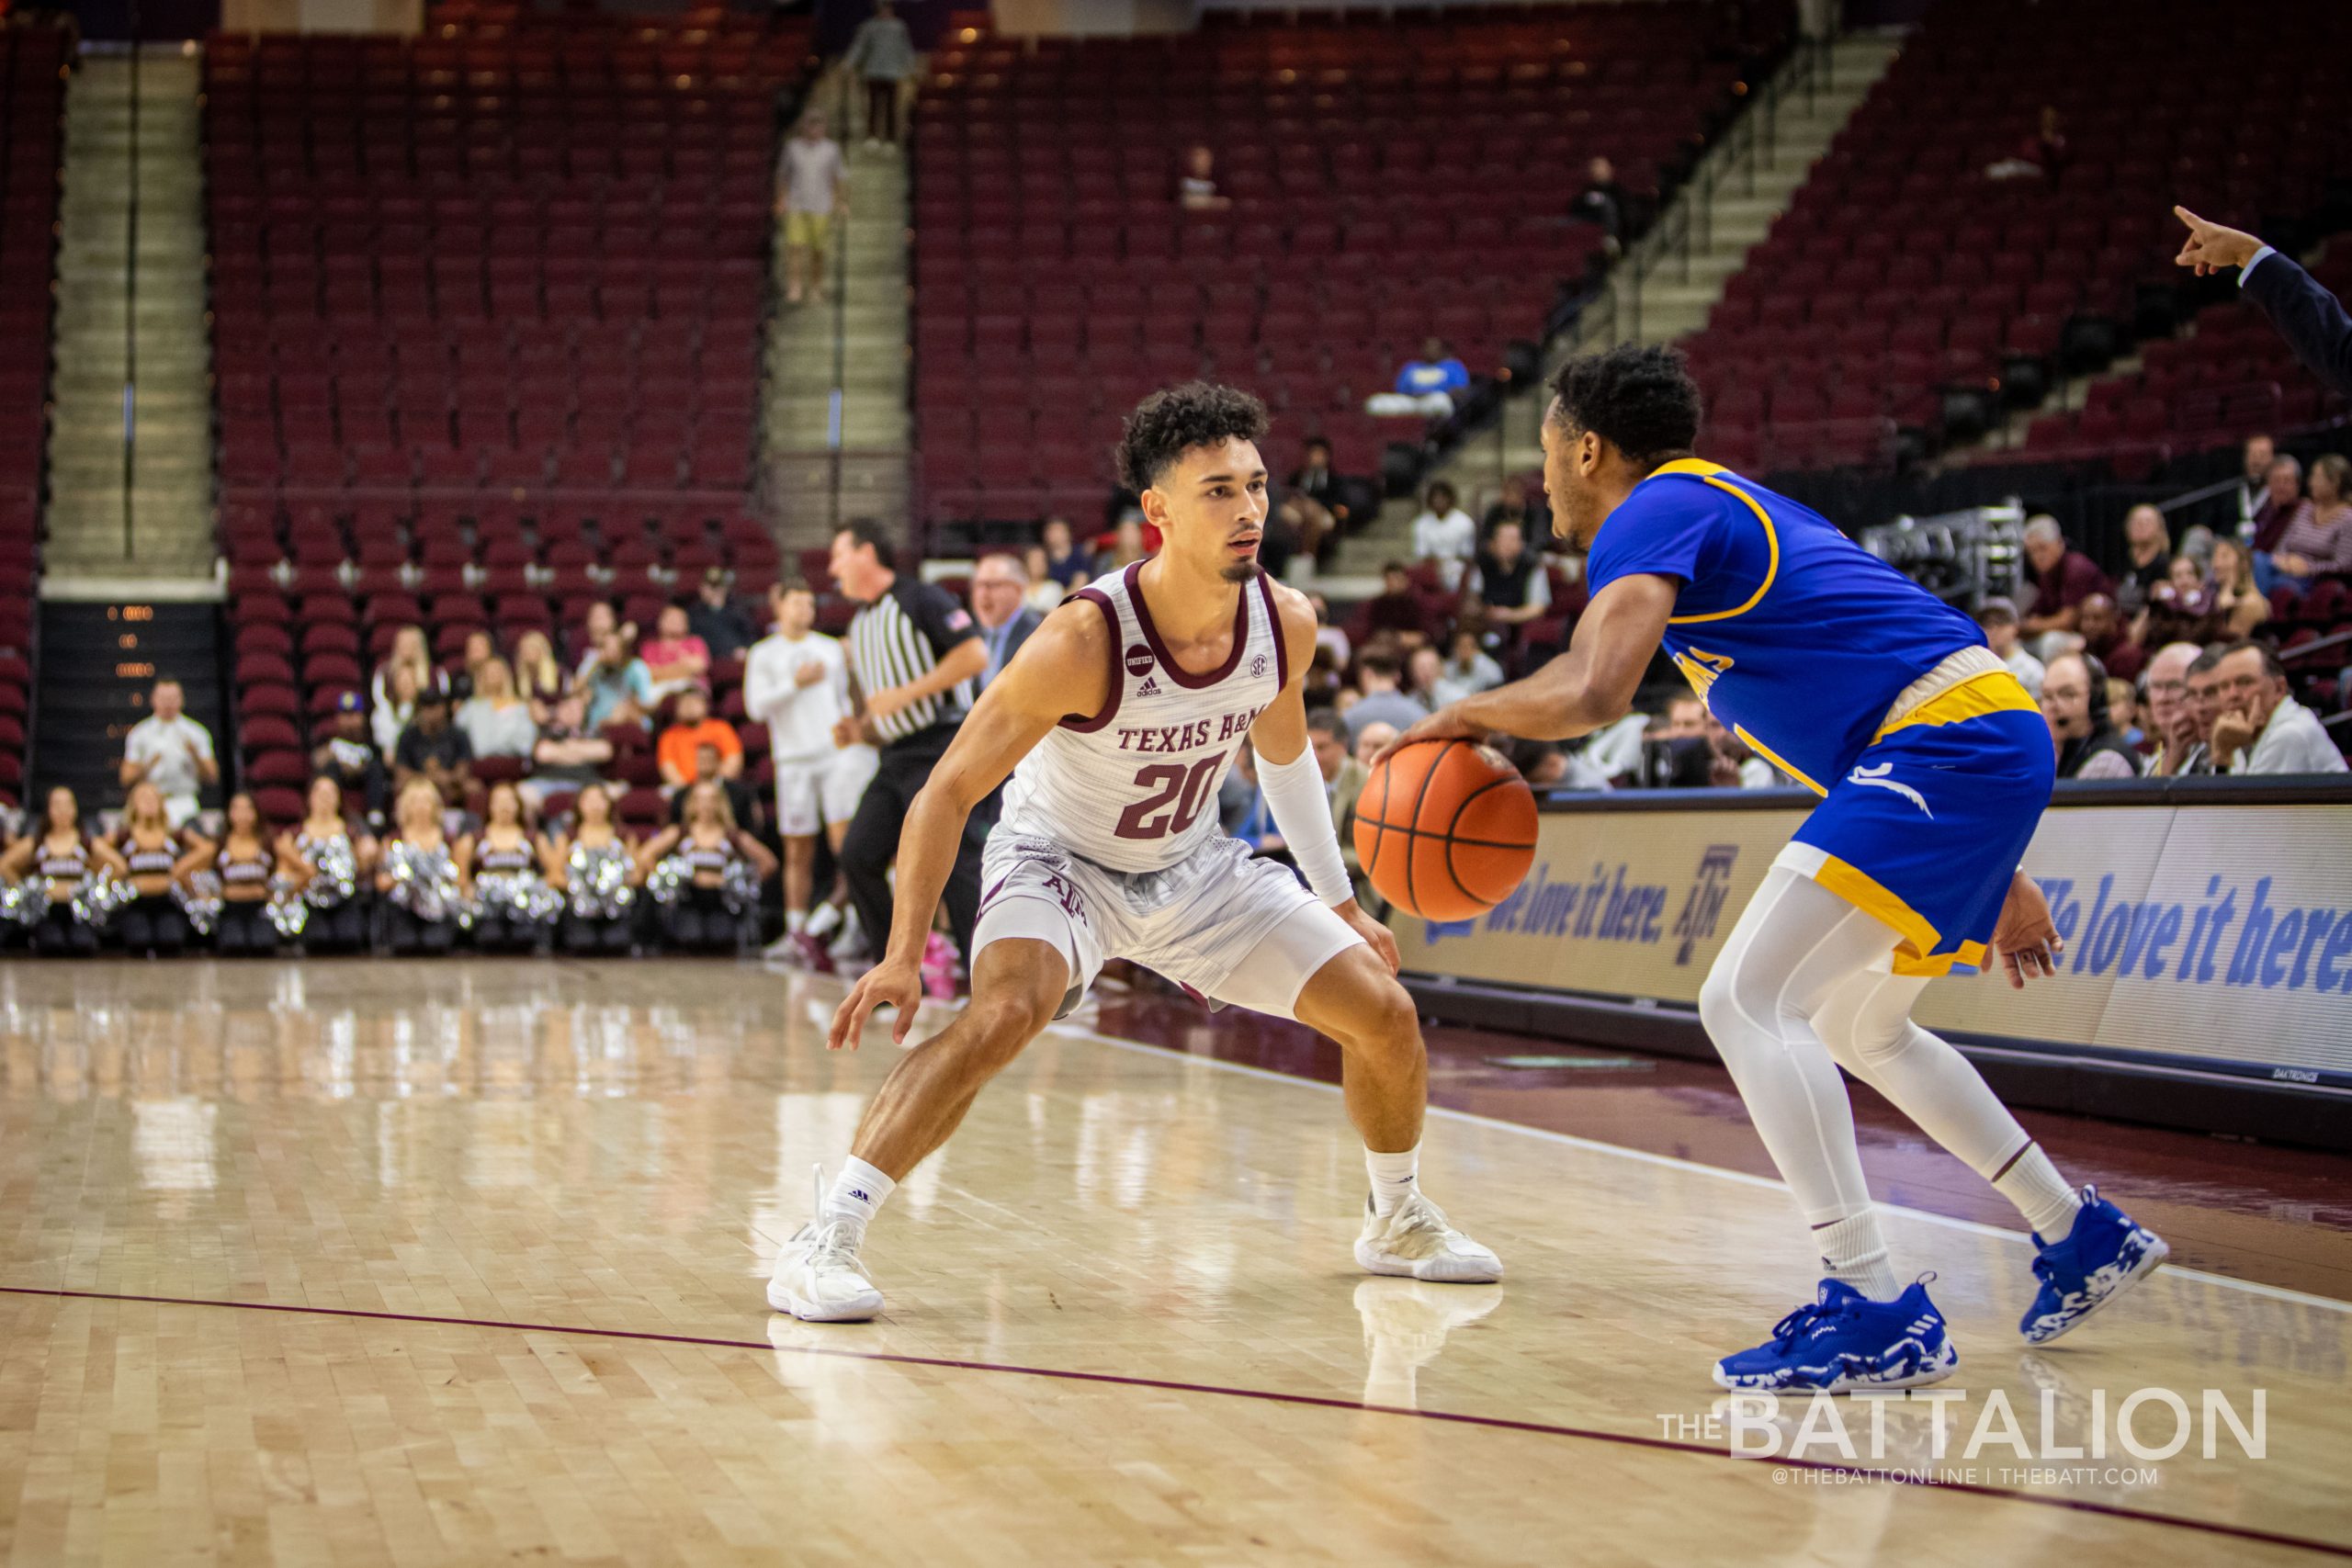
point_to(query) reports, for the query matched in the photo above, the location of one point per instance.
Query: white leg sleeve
(1795, 945)
(1867, 1025)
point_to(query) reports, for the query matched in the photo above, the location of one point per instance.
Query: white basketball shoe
(817, 1277)
(1416, 1242)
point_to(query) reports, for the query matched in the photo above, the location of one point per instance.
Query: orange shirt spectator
(694, 727)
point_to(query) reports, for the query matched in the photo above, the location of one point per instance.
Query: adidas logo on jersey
(1150, 687)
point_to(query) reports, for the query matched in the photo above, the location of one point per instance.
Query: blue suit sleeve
(1666, 528)
(2312, 319)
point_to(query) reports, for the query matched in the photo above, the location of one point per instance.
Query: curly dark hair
(1168, 424)
(1641, 400)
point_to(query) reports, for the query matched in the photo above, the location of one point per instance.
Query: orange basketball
(1445, 830)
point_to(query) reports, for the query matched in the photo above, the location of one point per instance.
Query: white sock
(1853, 1253)
(795, 922)
(1394, 1178)
(856, 1195)
(2042, 1195)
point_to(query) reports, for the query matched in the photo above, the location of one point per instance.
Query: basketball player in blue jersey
(1934, 767)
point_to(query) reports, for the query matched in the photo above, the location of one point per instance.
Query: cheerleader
(514, 904)
(159, 860)
(323, 867)
(425, 881)
(705, 873)
(62, 884)
(599, 877)
(237, 907)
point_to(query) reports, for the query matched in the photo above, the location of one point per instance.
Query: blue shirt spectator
(1434, 371)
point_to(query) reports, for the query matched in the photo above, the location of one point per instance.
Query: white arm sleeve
(1294, 791)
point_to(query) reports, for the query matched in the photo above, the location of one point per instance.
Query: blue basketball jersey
(1796, 637)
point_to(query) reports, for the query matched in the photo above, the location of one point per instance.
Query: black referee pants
(872, 842)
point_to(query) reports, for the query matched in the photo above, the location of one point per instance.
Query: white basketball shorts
(813, 790)
(1239, 930)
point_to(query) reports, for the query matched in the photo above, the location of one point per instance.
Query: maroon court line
(1271, 1396)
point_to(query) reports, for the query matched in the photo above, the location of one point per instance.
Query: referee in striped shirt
(914, 655)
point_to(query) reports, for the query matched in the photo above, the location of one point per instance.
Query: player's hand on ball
(2210, 247)
(888, 983)
(1376, 936)
(2025, 936)
(1446, 724)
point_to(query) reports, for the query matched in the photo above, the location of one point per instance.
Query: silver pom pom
(740, 885)
(424, 882)
(598, 878)
(666, 880)
(199, 900)
(522, 896)
(336, 878)
(96, 901)
(27, 903)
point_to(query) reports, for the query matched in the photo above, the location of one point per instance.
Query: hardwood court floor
(359, 1262)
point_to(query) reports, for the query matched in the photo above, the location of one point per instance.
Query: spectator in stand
(1330, 639)
(1064, 563)
(2204, 682)
(1602, 201)
(709, 769)
(2171, 717)
(599, 623)
(2312, 321)
(1422, 667)
(395, 705)
(2241, 604)
(158, 858)
(2073, 702)
(170, 750)
(1508, 578)
(2106, 638)
(1042, 595)
(999, 586)
(1425, 385)
(2123, 708)
(2041, 155)
(349, 757)
(1514, 505)
(436, 751)
(1381, 702)
(2180, 609)
(2282, 497)
(2147, 558)
(569, 754)
(2319, 538)
(882, 53)
(2260, 729)
(1999, 619)
(1315, 479)
(674, 658)
(2255, 460)
(618, 685)
(1444, 534)
(692, 726)
(797, 685)
(480, 646)
(1735, 763)
(539, 679)
(714, 618)
(496, 721)
(409, 648)
(1196, 185)
(1466, 673)
(1295, 526)
(2063, 579)
(1369, 738)
(812, 196)
(1343, 779)
(1126, 546)
(1398, 609)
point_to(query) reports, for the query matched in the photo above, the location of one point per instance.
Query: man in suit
(2312, 321)
(998, 583)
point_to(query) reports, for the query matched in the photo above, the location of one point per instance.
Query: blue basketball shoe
(1846, 1340)
(2105, 1255)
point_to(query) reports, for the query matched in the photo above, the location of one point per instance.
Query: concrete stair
(115, 304)
(869, 316)
(1674, 298)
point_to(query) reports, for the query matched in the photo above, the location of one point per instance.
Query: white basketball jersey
(1135, 787)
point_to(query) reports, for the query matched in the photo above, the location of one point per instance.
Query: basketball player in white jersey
(1116, 722)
